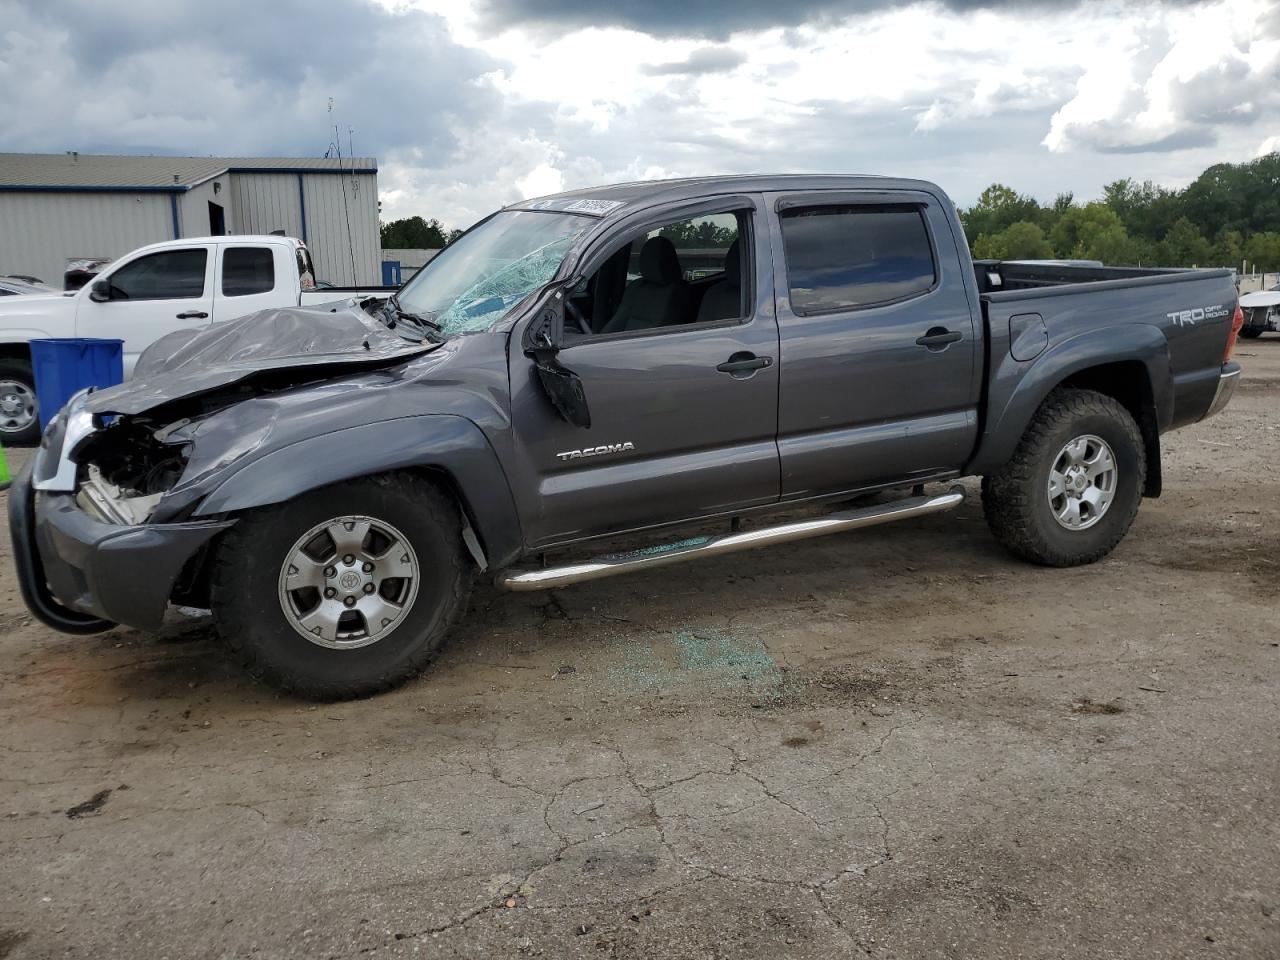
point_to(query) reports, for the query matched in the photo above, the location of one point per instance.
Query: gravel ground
(899, 743)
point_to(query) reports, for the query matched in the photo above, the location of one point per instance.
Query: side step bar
(659, 556)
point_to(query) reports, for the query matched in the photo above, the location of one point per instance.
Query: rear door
(150, 296)
(253, 277)
(880, 360)
(683, 414)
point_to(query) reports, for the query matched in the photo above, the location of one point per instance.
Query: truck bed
(1167, 327)
(1002, 276)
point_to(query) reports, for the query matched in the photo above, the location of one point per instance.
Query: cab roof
(616, 199)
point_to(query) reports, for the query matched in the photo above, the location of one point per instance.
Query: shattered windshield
(474, 281)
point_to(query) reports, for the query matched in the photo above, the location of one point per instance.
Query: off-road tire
(20, 370)
(1015, 497)
(247, 607)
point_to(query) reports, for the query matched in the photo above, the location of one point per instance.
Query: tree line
(415, 233)
(1227, 216)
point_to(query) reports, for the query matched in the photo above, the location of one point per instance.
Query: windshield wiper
(427, 328)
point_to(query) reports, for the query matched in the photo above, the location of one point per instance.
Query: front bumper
(80, 575)
(1227, 383)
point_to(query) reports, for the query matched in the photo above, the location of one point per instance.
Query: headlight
(77, 424)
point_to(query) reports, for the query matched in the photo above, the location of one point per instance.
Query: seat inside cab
(678, 274)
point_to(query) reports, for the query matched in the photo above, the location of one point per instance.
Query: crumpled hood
(190, 362)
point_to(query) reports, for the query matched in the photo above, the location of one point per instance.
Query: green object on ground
(5, 479)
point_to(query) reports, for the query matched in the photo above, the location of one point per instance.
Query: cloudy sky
(468, 104)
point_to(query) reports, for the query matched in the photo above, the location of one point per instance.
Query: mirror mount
(100, 291)
(561, 385)
(543, 337)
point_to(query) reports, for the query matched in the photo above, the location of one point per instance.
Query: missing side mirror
(562, 386)
(564, 389)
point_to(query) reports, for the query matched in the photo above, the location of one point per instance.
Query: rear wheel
(1072, 488)
(19, 423)
(345, 591)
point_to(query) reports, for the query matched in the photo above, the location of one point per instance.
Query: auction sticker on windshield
(596, 208)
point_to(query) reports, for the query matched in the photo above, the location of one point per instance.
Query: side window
(247, 270)
(171, 275)
(843, 258)
(688, 271)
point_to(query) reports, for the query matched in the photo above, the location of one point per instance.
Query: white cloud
(1043, 97)
(541, 180)
(1175, 82)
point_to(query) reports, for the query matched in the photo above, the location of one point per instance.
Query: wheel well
(449, 484)
(192, 585)
(1129, 383)
(15, 351)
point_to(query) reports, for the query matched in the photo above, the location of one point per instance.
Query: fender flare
(1102, 346)
(444, 443)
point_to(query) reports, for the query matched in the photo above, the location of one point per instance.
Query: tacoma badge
(596, 451)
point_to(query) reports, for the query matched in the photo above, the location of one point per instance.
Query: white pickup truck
(151, 292)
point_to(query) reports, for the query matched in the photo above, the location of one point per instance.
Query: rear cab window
(247, 270)
(849, 257)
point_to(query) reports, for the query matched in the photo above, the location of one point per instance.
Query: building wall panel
(39, 232)
(265, 202)
(344, 257)
(193, 208)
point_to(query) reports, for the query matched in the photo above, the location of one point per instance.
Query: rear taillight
(1237, 324)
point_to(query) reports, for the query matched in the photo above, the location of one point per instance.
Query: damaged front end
(86, 554)
(101, 519)
(127, 469)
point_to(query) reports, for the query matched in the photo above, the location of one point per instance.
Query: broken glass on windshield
(477, 279)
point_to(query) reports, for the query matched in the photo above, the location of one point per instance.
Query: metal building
(57, 208)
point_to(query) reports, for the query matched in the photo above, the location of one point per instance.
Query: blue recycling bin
(64, 367)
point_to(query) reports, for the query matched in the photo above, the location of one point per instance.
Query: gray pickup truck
(623, 360)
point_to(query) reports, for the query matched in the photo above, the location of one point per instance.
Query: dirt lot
(900, 743)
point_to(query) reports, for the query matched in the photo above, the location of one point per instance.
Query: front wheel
(19, 422)
(1072, 488)
(1251, 333)
(345, 591)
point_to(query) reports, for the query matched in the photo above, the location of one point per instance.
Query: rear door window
(847, 257)
(247, 270)
(171, 275)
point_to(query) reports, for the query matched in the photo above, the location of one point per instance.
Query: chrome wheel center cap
(11, 403)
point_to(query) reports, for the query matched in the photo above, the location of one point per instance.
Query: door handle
(744, 362)
(193, 315)
(939, 338)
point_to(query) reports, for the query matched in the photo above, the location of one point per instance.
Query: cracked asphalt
(895, 744)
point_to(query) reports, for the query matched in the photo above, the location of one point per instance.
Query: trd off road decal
(1189, 318)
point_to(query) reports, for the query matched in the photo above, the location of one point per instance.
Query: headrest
(733, 263)
(658, 261)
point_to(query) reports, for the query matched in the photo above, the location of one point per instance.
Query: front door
(879, 350)
(150, 296)
(682, 390)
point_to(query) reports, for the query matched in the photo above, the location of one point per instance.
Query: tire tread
(241, 540)
(1008, 495)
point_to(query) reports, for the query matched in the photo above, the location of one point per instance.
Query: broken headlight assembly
(126, 468)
